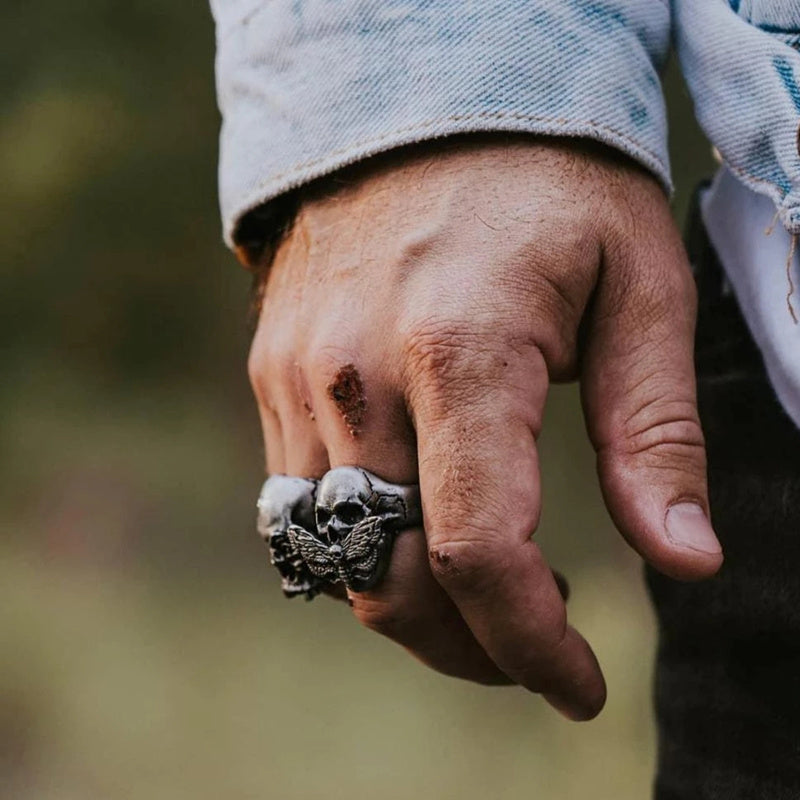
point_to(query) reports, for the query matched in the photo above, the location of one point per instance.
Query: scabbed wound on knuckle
(346, 390)
(463, 563)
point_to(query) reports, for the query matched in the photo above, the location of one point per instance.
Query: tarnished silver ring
(339, 529)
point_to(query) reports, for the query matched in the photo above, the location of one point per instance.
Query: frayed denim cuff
(742, 63)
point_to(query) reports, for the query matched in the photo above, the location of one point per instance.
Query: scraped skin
(347, 392)
(428, 298)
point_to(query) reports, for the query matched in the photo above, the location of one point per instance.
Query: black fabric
(728, 671)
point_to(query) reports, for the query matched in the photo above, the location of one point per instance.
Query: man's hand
(411, 323)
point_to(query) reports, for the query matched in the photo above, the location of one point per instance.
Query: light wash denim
(308, 86)
(741, 59)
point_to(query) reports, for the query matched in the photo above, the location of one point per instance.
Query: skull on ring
(345, 497)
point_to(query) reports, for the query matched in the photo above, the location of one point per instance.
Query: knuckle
(465, 563)
(325, 357)
(432, 347)
(453, 362)
(440, 360)
(267, 362)
(473, 497)
(271, 366)
(255, 368)
(332, 375)
(391, 617)
(257, 372)
(318, 360)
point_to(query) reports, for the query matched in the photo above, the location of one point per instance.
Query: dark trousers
(728, 673)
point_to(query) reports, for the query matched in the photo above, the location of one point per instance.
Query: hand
(411, 322)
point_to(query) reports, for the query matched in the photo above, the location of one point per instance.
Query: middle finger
(363, 422)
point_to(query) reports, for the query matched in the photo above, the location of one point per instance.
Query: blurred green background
(145, 648)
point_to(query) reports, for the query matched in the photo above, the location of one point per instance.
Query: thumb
(639, 398)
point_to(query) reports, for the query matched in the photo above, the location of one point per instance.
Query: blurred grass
(127, 687)
(145, 650)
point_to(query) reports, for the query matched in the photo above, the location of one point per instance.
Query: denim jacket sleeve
(741, 59)
(308, 86)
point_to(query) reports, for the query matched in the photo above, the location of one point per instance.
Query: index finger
(477, 413)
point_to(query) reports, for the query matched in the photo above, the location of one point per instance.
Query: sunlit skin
(456, 281)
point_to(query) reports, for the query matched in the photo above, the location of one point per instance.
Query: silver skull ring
(339, 529)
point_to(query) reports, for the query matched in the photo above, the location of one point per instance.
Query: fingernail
(688, 526)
